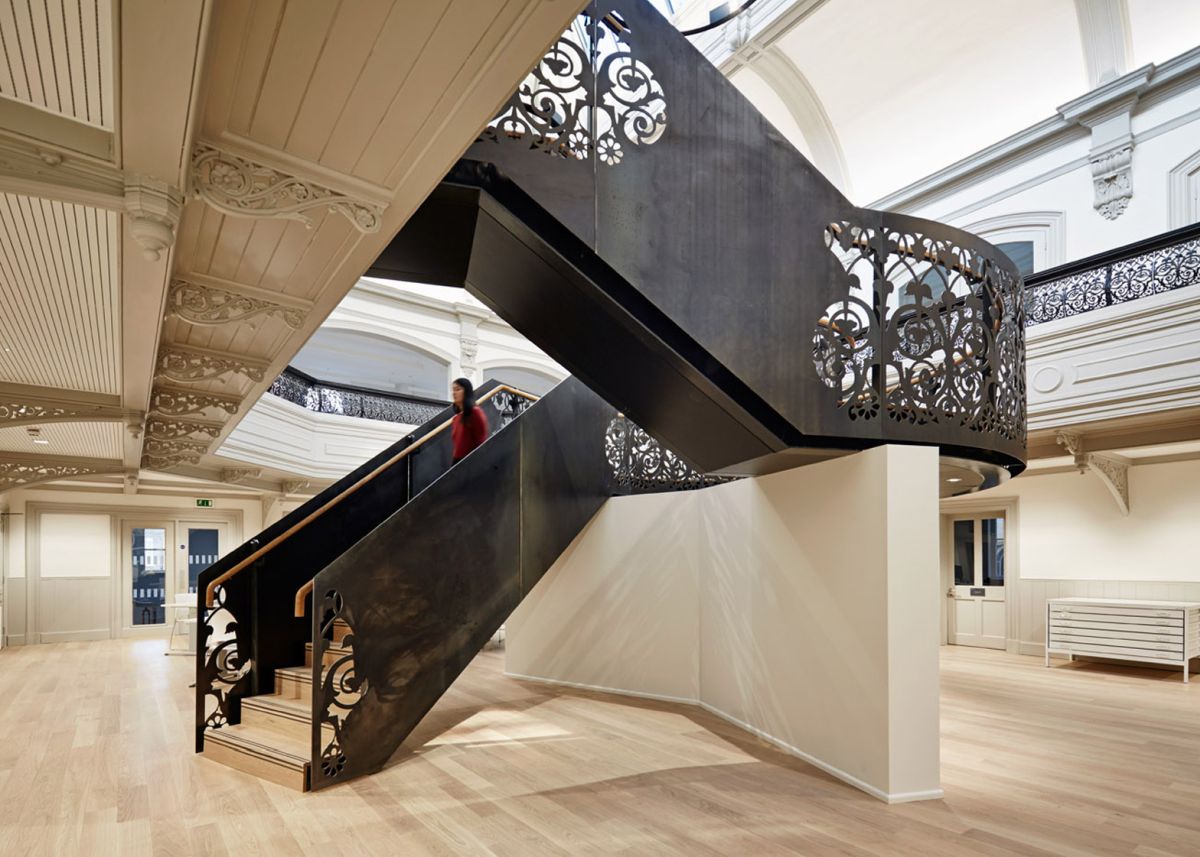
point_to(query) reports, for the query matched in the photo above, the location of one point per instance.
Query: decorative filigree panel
(507, 407)
(177, 363)
(224, 665)
(1140, 275)
(640, 464)
(554, 109)
(208, 305)
(238, 186)
(929, 333)
(341, 688)
(165, 454)
(312, 395)
(15, 474)
(165, 428)
(178, 403)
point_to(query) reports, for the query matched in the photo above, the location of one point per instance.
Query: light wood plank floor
(1086, 760)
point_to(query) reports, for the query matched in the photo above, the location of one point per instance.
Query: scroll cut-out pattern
(341, 689)
(928, 333)
(224, 665)
(554, 109)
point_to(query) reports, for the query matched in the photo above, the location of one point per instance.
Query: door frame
(116, 514)
(983, 505)
(125, 527)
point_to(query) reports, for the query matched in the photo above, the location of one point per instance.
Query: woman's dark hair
(468, 402)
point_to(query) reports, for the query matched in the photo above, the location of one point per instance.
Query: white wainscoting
(1030, 601)
(74, 608)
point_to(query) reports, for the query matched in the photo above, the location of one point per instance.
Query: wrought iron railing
(1160, 264)
(323, 397)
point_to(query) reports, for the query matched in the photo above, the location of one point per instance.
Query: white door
(978, 609)
(148, 574)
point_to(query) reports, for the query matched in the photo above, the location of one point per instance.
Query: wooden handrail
(210, 590)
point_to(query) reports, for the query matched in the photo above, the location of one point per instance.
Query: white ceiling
(909, 88)
(58, 56)
(60, 313)
(83, 439)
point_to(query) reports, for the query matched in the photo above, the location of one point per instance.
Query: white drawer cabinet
(1159, 632)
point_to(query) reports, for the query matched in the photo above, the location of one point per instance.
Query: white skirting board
(849, 779)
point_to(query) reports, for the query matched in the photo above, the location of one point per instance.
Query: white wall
(799, 605)
(1073, 541)
(79, 534)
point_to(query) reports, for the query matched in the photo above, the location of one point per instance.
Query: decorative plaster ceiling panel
(59, 295)
(58, 56)
(86, 440)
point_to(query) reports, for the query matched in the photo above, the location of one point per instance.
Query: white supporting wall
(802, 606)
(1074, 541)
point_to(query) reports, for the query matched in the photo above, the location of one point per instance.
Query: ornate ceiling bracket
(153, 209)
(165, 428)
(291, 486)
(1107, 112)
(239, 475)
(1114, 473)
(177, 363)
(1112, 470)
(15, 411)
(21, 471)
(205, 305)
(243, 188)
(165, 454)
(173, 402)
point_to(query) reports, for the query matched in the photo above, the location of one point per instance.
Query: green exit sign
(204, 502)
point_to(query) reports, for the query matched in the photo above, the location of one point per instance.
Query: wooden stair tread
(297, 709)
(301, 673)
(263, 743)
(332, 648)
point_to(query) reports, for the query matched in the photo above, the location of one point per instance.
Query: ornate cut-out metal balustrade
(300, 389)
(1161, 264)
(642, 465)
(930, 332)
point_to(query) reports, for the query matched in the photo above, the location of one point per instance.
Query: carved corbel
(201, 304)
(238, 186)
(152, 208)
(1112, 180)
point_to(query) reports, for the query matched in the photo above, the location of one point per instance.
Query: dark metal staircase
(632, 214)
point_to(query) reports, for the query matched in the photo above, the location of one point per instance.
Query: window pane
(202, 552)
(993, 551)
(149, 557)
(1021, 253)
(964, 553)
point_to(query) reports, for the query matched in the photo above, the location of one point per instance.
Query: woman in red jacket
(469, 428)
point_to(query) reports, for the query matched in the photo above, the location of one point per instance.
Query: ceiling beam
(22, 404)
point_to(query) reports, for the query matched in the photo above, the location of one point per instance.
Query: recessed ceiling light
(41, 441)
(954, 479)
(35, 434)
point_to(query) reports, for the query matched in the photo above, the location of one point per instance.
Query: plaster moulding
(291, 486)
(152, 209)
(1183, 192)
(241, 187)
(164, 454)
(202, 304)
(1046, 229)
(1112, 470)
(177, 363)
